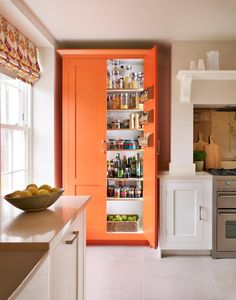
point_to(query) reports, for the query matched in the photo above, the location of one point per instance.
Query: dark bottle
(124, 163)
(133, 167)
(138, 166)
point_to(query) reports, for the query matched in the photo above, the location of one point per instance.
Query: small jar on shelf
(115, 101)
(124, 101)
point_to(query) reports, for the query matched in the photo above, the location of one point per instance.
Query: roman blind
(17, 53)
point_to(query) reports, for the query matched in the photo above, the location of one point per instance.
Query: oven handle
(225, 195)
(227, 212)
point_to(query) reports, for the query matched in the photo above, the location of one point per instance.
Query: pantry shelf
(124, 199)
(124, 90)
(125, 129)
(125, 179)
(121, 150)
(124, 110)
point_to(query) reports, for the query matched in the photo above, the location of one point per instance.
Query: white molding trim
(187, 76)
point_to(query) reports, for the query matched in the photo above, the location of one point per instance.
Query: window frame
(24, 125)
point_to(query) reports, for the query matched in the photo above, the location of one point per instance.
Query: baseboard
(181, 252)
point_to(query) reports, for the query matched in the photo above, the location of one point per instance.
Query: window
(15, 98)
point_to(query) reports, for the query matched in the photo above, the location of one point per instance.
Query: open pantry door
(150, 207)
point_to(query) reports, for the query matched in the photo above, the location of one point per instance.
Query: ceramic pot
(199, 165)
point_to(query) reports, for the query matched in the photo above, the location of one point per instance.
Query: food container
(213, 60)
(123, 226)
(115, 124)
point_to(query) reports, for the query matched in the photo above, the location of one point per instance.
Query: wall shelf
(187, 76)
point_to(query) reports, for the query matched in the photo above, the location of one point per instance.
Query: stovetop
(222, 172)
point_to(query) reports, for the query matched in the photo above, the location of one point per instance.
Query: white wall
(43, 120)
(203, 92)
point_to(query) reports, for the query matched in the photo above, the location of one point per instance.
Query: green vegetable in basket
(124, 218)
(110, 218)
(130, 218)
(134, 218)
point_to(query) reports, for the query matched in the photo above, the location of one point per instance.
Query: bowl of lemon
(34, 198)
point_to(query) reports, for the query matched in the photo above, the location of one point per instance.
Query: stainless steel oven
(224, 217)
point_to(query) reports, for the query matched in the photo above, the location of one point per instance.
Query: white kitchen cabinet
(185, 213)
(60, 273)
(37, 287)
(67, 264)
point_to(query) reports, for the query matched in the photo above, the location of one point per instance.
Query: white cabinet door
(64, 268)
(37, 287)
(185, 212)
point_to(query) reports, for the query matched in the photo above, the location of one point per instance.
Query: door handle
(158, 147)
(200, 213)
(104, 142)
(70, 242)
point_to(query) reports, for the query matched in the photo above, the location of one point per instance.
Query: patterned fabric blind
(17, 53)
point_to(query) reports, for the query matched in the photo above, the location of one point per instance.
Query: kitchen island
(42, 253)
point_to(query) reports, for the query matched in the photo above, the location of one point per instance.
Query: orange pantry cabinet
(84, 139)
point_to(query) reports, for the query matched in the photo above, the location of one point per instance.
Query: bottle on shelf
(125, 168)
(131, 121)
(136, 121)
(138, 166)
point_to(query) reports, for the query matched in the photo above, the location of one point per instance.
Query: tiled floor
(136, 273)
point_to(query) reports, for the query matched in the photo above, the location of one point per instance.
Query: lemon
(33, 190)
(16, 193)
(53, 190)
(45, 187)
(26, 193)
(31, 185)
(16, 196)
(43, 192)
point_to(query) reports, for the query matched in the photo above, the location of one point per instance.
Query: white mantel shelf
(187, 76)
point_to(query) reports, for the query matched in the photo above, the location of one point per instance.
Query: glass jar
(115, 124)
(115, 101)
(116, 66)
(117, 192)
(110, 191)
(128, 77)
(135, 84)
(124, 101)
(115, 80)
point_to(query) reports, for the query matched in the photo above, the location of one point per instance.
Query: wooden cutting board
(213, 158)
(200, 144)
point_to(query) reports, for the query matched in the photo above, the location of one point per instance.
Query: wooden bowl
(36, 202)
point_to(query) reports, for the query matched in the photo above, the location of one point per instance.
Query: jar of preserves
(110, 191)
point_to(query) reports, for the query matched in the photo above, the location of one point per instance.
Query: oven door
(226, 230)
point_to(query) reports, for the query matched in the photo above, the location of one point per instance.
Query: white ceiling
(135, 20)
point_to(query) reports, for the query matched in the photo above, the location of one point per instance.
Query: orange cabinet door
(84, 134)
(150, 204)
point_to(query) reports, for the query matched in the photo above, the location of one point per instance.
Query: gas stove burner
(222, 172)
